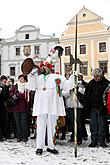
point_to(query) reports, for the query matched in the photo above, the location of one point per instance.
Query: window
(68, 69)
(103, 66)
(84, 14)
(83, 49)
(12, 71)
(84, 68)
(102, 47)
(27, 36)
(68, 50)
(27, 50)
(37, 50)
(17, 51)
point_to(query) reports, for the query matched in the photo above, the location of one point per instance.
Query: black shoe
(1, 139)
(25, 140)
(33, 137)
(62, 138)
(93, 144)
(39, 151)
(57, 137)
(108, 140)
(18, 140)
(79, 142)
(84, 138)
(103, 145)
(53, 151)
(71, 140)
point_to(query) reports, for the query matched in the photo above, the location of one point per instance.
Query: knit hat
(3, 77)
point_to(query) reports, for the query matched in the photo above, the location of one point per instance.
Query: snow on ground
(14, 153)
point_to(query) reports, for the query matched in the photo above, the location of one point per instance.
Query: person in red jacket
(106, 98)
(20, 109)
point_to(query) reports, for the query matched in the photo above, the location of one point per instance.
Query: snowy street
(14, 153)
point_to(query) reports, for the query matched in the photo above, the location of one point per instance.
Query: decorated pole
(75, 93)
(73, 63)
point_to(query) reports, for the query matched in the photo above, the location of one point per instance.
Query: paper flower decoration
(58, 90)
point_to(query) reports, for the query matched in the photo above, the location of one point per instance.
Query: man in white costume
(48, 105)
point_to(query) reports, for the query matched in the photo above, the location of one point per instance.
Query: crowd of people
(47, 96)
(14, 117)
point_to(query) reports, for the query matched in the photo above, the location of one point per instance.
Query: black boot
(1, 139)
(62, 137)
(102, 142)
(53, 151)
(39, 151)
(93, 144)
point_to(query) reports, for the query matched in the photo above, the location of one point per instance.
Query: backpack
(108, 101)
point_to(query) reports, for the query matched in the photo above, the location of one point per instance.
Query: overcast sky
(51, 16)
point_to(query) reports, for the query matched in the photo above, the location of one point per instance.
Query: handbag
(12, 100)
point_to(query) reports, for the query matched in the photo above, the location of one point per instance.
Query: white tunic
(47, 101)
(32, 79)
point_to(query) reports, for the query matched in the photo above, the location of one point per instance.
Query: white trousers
(43, 121)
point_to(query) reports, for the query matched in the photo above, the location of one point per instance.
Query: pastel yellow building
(93, 43)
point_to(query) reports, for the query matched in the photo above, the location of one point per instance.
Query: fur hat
(97, 72)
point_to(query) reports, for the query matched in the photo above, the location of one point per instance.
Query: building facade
(27, 42)
(93, 43)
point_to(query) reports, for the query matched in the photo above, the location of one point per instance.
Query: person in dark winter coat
(3, 107)
(94, 104)
(81, 128)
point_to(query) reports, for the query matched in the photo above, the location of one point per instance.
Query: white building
(27, 42)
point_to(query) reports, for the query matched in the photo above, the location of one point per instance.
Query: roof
(85, 15)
